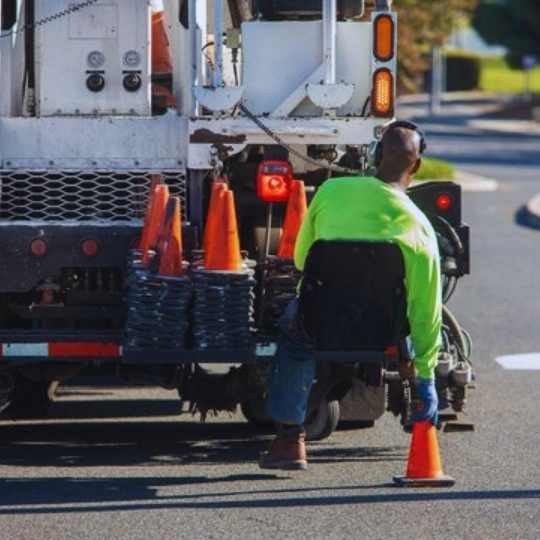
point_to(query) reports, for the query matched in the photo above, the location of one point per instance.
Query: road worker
(377, 209)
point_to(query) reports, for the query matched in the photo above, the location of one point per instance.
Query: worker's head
(399, 154)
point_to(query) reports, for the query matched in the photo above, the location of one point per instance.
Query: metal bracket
(218, 99)
(330, 96)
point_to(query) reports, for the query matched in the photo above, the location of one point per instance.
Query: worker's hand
(428, 402)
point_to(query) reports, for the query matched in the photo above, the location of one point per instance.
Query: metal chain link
(60, 14)
(278, 140)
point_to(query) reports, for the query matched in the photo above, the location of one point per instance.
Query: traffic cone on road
(424, 464)
(170, 241)
(218, 188)
(156, 180)
(223, 250)
(294, 216)
(155, 220)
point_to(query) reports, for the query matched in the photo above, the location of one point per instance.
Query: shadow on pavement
(51, 495)
(128, 443)
(122, 408)
(524, 219)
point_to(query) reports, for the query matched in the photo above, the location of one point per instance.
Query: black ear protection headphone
(394, 125)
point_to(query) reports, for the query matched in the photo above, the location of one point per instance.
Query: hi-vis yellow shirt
(369, 209)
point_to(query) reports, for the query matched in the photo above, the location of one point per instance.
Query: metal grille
(81, 195)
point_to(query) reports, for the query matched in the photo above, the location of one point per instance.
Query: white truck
(84, 129)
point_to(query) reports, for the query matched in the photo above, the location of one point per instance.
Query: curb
(531, 212)
(475, 183)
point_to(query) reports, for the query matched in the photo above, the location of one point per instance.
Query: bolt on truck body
(88, 121)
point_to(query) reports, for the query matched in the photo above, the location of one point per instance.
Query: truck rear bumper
(21, 271)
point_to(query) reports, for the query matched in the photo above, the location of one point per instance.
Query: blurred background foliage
(514, 24)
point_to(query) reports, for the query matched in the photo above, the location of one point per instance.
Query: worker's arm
(424, 304)
(307, 234)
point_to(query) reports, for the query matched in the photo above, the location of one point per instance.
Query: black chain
(64, 13)
(278, 140)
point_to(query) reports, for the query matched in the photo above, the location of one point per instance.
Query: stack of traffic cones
(158, 302)
(223, 310)
(154, 218)
(424, 464)
(279, 274)
(169, 245)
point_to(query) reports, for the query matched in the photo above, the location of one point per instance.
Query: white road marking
(520, 362)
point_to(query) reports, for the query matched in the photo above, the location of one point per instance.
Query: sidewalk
(471, 183)
(521, 127)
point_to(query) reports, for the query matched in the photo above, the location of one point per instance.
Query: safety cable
(279, 141)
(51, 18)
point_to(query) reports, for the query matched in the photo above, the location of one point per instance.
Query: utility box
(95, 60)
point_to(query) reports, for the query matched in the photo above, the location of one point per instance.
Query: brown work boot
(287, 451)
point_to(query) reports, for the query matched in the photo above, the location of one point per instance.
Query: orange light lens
(274, 181)
(383, 93)
(384, 38)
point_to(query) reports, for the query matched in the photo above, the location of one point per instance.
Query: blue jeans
(293, 371)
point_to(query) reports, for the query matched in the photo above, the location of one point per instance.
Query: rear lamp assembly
(383, 35)
(274, 180)
(382, 98)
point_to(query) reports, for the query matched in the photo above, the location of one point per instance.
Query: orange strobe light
(383, 93)
(383, 45)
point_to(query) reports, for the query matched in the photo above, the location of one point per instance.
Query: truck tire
(322, 422)
(31, 399)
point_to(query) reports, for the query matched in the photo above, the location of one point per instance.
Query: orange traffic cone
(424, 464)
(161, 49)
(296, 212)
(156, 180)
(224, 244)
(170, 241)
(161, 196)
(218, 189)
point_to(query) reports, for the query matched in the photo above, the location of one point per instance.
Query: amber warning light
(274, 181)
(383, 93)
(384, 38)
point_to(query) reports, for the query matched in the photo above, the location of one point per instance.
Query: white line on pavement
(520, 362)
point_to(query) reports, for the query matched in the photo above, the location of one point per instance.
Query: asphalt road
(120, 464)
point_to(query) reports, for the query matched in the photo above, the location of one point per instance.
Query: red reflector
(443, 202)
(38, 247)
(274, 181)
(90, 248)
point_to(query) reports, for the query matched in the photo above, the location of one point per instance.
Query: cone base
(440, 481)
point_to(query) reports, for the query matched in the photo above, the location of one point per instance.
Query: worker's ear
(416, 166)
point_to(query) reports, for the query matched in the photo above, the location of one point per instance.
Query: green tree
(423, 24)
(514, 24)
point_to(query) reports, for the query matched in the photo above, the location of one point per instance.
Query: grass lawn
(497, 76)
(435, 169)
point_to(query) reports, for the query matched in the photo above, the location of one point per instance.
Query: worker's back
(365, 209)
